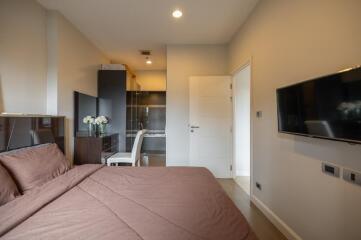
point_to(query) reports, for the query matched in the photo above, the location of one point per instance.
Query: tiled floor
(261, 226)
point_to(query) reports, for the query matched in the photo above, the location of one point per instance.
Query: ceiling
(122, 27)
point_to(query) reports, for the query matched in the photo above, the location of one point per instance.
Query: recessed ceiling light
(177, 13)
(148, 62)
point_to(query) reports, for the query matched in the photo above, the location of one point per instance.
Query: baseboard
(279, 224)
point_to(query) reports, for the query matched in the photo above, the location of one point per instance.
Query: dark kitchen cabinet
(112, 94)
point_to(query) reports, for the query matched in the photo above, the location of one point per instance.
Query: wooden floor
(244, 183)
(156, 161)
(261, 226)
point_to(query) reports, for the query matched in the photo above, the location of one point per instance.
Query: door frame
(245, 64)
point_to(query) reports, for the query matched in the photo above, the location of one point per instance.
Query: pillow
(35, 166)
(8, 188)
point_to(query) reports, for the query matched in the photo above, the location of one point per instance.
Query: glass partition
(147, 110)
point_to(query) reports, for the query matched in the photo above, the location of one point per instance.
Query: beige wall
(23, 60)
(184, 61)
(288, 42)
(152, 80)
(78, 61)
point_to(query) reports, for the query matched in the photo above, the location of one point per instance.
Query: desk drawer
(106, 143)
(114, 140)
(110, 142)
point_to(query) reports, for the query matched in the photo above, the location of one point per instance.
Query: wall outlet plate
(352, 176)
(330, 169)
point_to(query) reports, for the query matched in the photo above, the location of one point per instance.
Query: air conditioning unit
(112, 67)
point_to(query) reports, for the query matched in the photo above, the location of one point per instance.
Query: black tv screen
(326, 107)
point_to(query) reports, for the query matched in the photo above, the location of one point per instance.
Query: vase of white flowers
(90, 121)
(101, 121)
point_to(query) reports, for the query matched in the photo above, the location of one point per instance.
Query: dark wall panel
(112, 88)
(84, 105)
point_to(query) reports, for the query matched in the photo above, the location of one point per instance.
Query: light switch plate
(352, 176)
(259, 114)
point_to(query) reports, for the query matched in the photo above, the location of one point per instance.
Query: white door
(210, 124)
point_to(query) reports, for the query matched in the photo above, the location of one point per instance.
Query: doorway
(146, 109)
(242, 127)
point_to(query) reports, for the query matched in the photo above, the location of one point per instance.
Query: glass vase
(90, 129)
(102, 128)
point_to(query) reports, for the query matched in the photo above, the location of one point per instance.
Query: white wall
(52, 32)
(77, 62)
(43, 59)
(184, 61)
(241, 121)
(152, 80)
(291, 41)
(23, 57)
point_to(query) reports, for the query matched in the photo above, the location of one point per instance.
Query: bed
(100, 202)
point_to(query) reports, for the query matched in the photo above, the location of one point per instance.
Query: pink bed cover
(94, 202)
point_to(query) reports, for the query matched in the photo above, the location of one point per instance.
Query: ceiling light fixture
(177, 13)
(147, 54)
(148, 61)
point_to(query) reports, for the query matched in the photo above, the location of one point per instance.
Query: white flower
(88, 120)
(101, 120)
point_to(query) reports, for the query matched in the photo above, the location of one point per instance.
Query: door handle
(194, 126)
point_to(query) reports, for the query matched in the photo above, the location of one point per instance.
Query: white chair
(129, 157)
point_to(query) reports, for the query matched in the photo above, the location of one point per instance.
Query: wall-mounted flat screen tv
(326, 107)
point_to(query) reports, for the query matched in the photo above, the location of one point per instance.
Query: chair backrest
(41, 136)
(137, 146)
